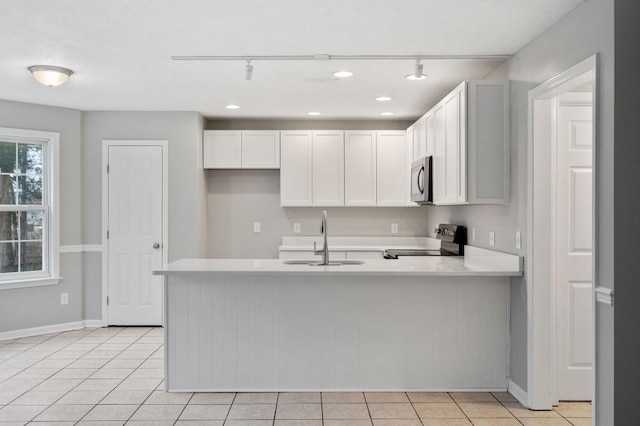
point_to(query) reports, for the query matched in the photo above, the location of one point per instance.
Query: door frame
(106, 143)
(541, 298)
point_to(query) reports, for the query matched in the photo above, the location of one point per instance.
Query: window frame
(51, 220)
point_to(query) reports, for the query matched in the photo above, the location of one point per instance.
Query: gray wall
(40, 306)
(187, 191)
(585, 31)
(238, 198)
(627, 205)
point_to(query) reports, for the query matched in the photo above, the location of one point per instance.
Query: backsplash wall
(238, 198)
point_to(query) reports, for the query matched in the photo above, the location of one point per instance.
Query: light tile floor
(113, 376)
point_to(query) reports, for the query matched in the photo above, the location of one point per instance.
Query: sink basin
(317, 263)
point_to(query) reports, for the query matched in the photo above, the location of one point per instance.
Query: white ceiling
(120, 51)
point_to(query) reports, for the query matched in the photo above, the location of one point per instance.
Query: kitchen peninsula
(433, 323)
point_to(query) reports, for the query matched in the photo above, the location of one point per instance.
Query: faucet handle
(315, 250)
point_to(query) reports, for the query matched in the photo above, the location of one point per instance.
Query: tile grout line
(121, 380)
(48, 378)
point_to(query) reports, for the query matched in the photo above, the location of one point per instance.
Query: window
(28, 213)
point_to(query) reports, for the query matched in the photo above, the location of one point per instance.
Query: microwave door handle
(420, 180)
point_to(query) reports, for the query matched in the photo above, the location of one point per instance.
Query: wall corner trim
(46, 329)
(518, 393)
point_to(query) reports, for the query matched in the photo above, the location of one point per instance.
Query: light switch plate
(518, 240)
(296, 228)
(64, 298)
(473, 234)
(256, 227)
(492, 238)
(394, 228)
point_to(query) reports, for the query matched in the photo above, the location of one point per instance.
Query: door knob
(156, 246)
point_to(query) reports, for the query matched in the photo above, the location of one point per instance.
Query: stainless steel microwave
(421, 182)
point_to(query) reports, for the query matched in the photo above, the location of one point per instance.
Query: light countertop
(476, 262)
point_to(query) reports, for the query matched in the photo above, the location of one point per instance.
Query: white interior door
(135, 224)
(574, 246)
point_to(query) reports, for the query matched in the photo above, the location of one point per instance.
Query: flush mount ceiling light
(343, 74)
(50, 75)
(314, 113)
(232, 106)
(248, 71)
(383, 99)
(387, 113)
(417, 73)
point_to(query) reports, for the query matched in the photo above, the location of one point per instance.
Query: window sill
(34, 282)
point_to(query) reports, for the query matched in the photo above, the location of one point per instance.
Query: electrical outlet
(296, 228)
(394, 228)
(256, 227)
(492, 238)
(518, 240)
(473, 234)
(64, 298)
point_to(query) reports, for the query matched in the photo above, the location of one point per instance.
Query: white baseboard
(520, 394)
(46, 329)
(93, 323)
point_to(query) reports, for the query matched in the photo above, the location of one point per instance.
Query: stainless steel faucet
(324, 251)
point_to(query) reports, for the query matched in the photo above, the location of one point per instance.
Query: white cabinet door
(296, 168)
(418, 130)
(328, 168)
(488, 142)
(439, 155)
(260, 149)
(222, 149)
(430, 133)
(422, 137)
(360, 168)
(391, 177)
(454, 192)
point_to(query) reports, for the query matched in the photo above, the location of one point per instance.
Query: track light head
(417, 73)
(248, 71)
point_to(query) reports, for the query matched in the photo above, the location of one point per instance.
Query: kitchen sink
(317, 263)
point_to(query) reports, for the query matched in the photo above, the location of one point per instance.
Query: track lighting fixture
(417, 73)
(249, 70)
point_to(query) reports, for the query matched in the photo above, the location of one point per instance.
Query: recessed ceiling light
(383, 98)
(313, 113)
(387, 113)
(232, 106)
(343, 74)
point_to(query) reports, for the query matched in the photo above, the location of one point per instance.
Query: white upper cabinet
(260, 149)
(246, 149)
(296, 168)
(222, 149)
(338, 168)
(429, 133)
(392, 187)
(418, 136)
(471, 156)
(360, 168)
(488, 139)
(328, 168)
